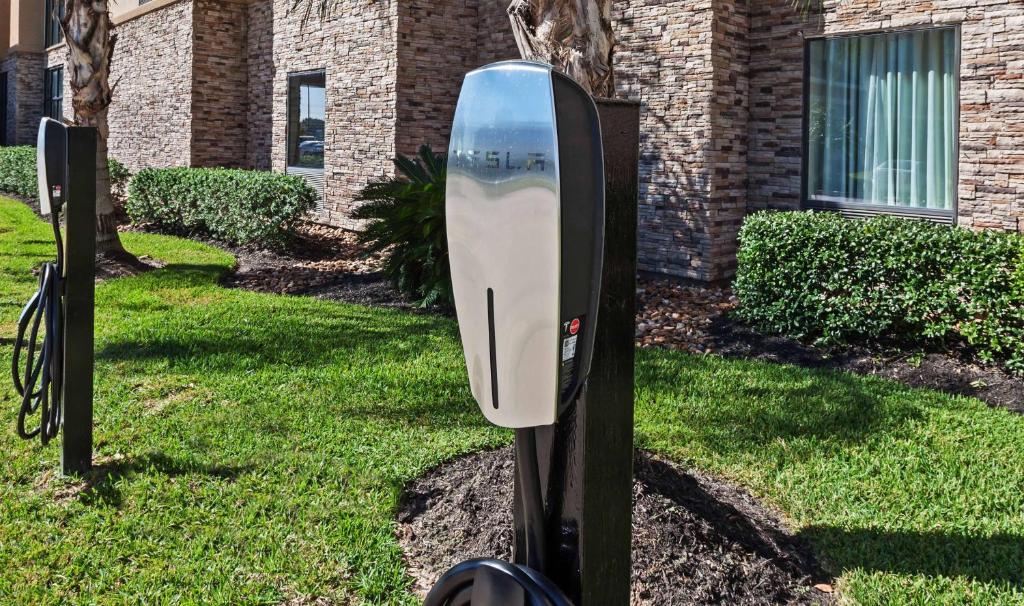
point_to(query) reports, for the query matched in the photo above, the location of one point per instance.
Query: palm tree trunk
(87, 30)
(574, 35)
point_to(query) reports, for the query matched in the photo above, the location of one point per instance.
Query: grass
(253, 447)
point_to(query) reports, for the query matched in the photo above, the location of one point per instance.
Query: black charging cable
(39, 379)
(532, 495)
(495, 582)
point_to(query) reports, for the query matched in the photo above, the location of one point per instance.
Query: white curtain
(882, 119)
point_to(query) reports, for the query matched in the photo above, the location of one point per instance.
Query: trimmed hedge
(238, 206)
(886, 279)
(18, 172)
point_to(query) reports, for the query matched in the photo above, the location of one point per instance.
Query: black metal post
(586, 460)
(79, 300)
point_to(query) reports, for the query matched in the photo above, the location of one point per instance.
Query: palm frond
(405, 221)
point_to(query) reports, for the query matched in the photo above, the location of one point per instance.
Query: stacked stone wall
(260, 77)
(991, 163)
(730, 57)
(151, 113)
(24, 95)
(219, 84)
(664, 60)
(494, 40)
(433, 56)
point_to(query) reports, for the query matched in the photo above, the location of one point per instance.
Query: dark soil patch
(121, 264)
(952, 373)
(321, 261)
(694, 317)
(696, 540)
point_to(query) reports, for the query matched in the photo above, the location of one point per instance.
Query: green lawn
(253, 448)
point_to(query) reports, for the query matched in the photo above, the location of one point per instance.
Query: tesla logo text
(497, 160)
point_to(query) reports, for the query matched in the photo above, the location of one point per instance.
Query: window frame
(52, 32)
(49, 100)
(288, 121)
(850, 209)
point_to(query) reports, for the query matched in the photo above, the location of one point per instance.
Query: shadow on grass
(100, 485)
(298, 335)
(993, 559)
(750, 404)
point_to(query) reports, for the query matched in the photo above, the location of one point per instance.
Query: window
(54, 13)
(307, 100)
(53, 93)
(881, 122)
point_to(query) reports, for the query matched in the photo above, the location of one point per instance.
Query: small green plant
(406, 222)
(820, 276)
(119, 179)
(238, 206)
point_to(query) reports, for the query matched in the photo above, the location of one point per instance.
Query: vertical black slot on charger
(494, 350)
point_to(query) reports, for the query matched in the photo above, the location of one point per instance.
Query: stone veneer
(151, 113)
(24, 95)
(219, 83)
(356, 48)
(991, 187)
(685, 61)
(432, 60)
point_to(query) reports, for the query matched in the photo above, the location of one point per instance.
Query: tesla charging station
(542, 248)
(54, 376)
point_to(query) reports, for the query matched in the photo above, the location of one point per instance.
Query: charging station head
(525, 221)
(52, 165)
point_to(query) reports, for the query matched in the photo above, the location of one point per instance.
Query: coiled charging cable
(39, 378)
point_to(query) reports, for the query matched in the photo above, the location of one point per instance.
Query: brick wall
(356, 48)
(24, 95)
(664, 60)
(494, 40)
(219, 83)
(151, 113)
(433, 56)
(991, 188)
(260, 79)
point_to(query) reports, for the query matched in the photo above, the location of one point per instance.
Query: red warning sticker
(574, 327)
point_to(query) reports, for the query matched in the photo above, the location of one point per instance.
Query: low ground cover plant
(405, 220)
(237, 206)
(18, 172)
(886, 279)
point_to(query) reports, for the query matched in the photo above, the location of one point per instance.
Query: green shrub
(119, 179)
(238, 206)
(18, 173)
(817, 275)
(406, 222)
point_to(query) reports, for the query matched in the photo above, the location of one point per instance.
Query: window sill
(853, 210)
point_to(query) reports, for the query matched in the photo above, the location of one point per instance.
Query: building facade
(908, 107)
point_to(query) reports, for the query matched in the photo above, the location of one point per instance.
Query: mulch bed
(953, 373)
(324, 262)
(696, 540)
(697, 318)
